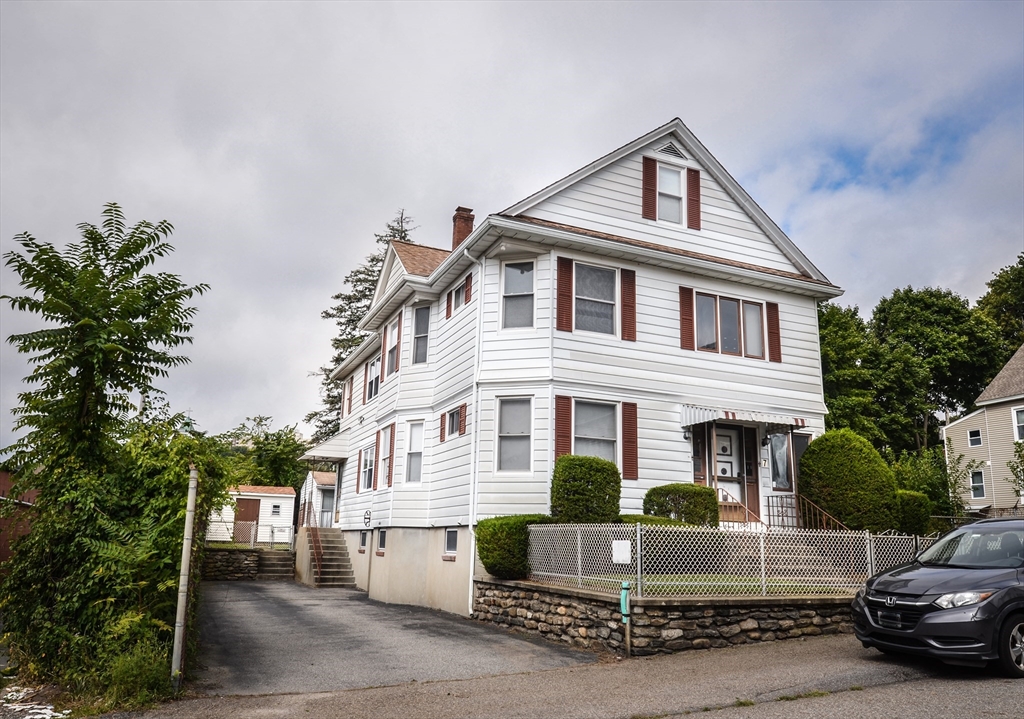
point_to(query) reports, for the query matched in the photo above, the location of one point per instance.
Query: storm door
(326, 507)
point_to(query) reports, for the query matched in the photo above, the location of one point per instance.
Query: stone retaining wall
(658, 626)
(230, 564)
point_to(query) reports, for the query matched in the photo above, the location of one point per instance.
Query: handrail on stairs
(799, 512)
(309, 521)
(725, 498)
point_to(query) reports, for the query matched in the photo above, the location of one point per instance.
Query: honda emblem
(890, 601)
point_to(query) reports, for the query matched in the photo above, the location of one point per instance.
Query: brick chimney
(462, 225)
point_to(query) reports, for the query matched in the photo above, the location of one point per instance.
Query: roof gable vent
(672, 150)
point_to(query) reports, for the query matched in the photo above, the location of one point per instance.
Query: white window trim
(449, 433)
(275, 510)
(533, 325)
(446, 550)
(971, 486)
(382, 539)
(372, 377)
(369, 455)
(718, 326)
(618, 425)
(1013, 421)
(616, 307)
(414, 336)
(497, 438)
(981, 440)
(380, 470)
(391, 337)
(408, 437)
(681, 197)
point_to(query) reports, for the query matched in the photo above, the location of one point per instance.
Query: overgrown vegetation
(88, 597)
(585, 490)
(261, 456)
(689, 503)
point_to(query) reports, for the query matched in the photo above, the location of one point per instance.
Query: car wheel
(1011, 646)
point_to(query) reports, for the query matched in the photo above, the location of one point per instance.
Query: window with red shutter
(359, 471)
(686, 340)
(448, 307)
(630, 461)
(628, 290)
(444, 418)
(563, 425)
(376, 453)
(462, 419)
(693, 199)
(469, 288)
(563, 320)
(391, 455)
(649, 199)
(774, 335)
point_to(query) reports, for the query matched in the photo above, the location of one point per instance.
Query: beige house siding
(996, 424)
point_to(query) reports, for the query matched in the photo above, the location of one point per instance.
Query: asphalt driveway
(284, 637)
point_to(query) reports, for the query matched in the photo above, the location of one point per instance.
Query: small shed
(259, 515)
(319, 491)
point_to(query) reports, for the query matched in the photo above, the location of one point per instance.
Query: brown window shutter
(469, 288)
(462, 419)
(686, 334)
(448, 308)
(376, 460)
(628, 305)
(563, 425)
(630, 463)
(774, 336)
(444, 418)
(693, 199)
(650, 189)
(391, 456)
(366, 379)
(359, 471)
(383, 353)
(563, 320)
(398, 342)
(350, 389)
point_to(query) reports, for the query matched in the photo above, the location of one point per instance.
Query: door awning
(333, 450)
(693, 414)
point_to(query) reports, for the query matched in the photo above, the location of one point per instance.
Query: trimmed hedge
(689, 503)
(915, 511)
(844, 475)
(585, 490)
(649, 520)
(503, 544)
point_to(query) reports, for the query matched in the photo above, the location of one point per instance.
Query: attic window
(672, 150)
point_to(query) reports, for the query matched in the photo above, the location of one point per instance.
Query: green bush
(689, 503)
(844, 475)
(915, 511)
(585, 490)
(503, 544)
(649, 520)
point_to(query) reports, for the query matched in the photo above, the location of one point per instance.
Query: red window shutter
(563, 320)
(398, 342)
(448, 308)
(444, 417)
(628, 305)
(469, 288)
(366, 379)
(383, 353)
(359, 471)
(774, 336)
(563, 425)
(686, 334)
(630, 463)
(391, 456)
(462, 419)
(376, 460)
(693, 199)
(650, 189)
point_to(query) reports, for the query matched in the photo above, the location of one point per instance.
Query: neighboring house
(987, 435)
(316, 499)
(15, 524)
(259, 514)
(643, 309)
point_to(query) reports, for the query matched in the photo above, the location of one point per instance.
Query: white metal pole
(186, 555)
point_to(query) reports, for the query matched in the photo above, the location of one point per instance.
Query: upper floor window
(670, 194)
(595, 299)
(392, 339)
(414, 455)
(384, 463)
(974, 438)
(421, 330)
(1018, 418)
(372, 378)
(514, 419)
(729, 326)
(458, 297)
(517, 295)
(596, 430)
(366, 471)
(977, 485)
(453, 422)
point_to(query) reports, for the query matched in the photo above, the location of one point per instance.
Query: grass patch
(745, 703)
(805, 695)
(856, 688)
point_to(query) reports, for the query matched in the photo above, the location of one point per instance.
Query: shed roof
(419, 259)
(325, 478)
(254, 489)
(1008, 383)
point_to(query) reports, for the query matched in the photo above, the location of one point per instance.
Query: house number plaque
(366, 518)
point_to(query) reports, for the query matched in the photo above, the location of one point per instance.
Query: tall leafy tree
(351, 305)
(259, 455)
(847, 351)
(1004, 303)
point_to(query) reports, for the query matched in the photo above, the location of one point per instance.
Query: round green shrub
(585, 490)
(649, 520)
(915, 511)
(844, 475)
(503, 544)
(689, 503)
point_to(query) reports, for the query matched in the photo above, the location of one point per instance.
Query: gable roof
(254, 489)
(1009, 383)
(325, 478)
(419, 259)
(689, 142)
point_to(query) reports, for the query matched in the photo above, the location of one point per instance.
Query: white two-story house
(643, 309)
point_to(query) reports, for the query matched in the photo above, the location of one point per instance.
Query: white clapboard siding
(518, 353)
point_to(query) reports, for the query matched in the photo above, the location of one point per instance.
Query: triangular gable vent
(671, 149)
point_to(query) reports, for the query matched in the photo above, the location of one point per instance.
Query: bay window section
(518, 295)
(392, 337)
(596, 430)
(595, 299)
(421, 330)
(707, 323)
(414, 455)
(373, 378)
(753, 332)
(514, 419)
(729, 323)
(384, 463)
(367, 469)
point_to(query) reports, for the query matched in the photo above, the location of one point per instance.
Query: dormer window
(670, 194)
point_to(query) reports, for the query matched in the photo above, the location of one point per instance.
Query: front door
(326, 507)
(729, 462)
(247, 517)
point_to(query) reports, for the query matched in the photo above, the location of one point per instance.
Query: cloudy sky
(887, 139)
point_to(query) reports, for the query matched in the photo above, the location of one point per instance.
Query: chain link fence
(250, 534)
(688, 561)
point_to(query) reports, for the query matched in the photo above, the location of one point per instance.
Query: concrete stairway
(336, 564)
(276, 565)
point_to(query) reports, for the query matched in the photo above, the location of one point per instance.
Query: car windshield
(978, 547)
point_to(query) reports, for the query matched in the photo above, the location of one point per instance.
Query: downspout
(991, 470)
(552, 285)
(473, 487)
